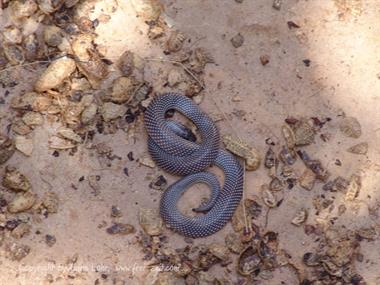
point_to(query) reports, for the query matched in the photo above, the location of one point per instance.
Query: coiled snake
(176, 152)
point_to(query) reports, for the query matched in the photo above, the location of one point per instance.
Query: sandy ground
(342, 78)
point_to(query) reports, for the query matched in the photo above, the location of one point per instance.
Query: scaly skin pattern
(178, 155)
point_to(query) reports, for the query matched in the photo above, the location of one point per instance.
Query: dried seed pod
(31, 47)
(353, 188)
(243, 150)
(289, 136)
(24, 145)
(3, 59)
(12, 35)
(276, 185)
(111, 111)
(287, 171)
(54, 75)
(367, 233)
(149, 10)
(267, 254)
(341, 210)
(233, 243)
(361, 148)
(350, 127)
(268, 197)
(89, 61)
(300, 217)
(303, 132)
(141, 93)
(193, 88)
(253, 208)
(71, 114)
(21, 230)
(314, 165)
(270, 159)
(70, 3)
(249, 261)
(50, 202)
(22, 8)
(15, 180)
(69, 134)
(287, 156)
(33, 119)
(339, 184)
(174, 77)
(53, 36)
(150, 221)
(85, 24)
(7, 149)
(123, 89)
(220, 251)
(311, 259)
(307, 179)
(20, 128)
(147, 161)
(60, 143)
(49, 6)
(203, 56)
(31, 101)
(331, 268)
(126, 63)
(156, 32)
(14, 54)
(239, 218)
(198, 60)
(89, 113)
(175, 42)
(22, 202)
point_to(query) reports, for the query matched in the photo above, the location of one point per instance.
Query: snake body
(175, 151)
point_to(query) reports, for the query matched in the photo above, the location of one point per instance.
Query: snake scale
(175, 151)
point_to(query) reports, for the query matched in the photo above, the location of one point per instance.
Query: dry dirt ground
(343, 49)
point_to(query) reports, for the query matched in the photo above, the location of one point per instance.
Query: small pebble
(292, 25)
(237, 41)
(307, 62)
(264, 59)
(17, 251)
(130, 156)
(115, 211)
(50, 240)
(122, 229)
(21, 230)
(158, 183)
(277, 4)
(11, 224)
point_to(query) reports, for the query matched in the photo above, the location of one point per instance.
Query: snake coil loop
(181, 156)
